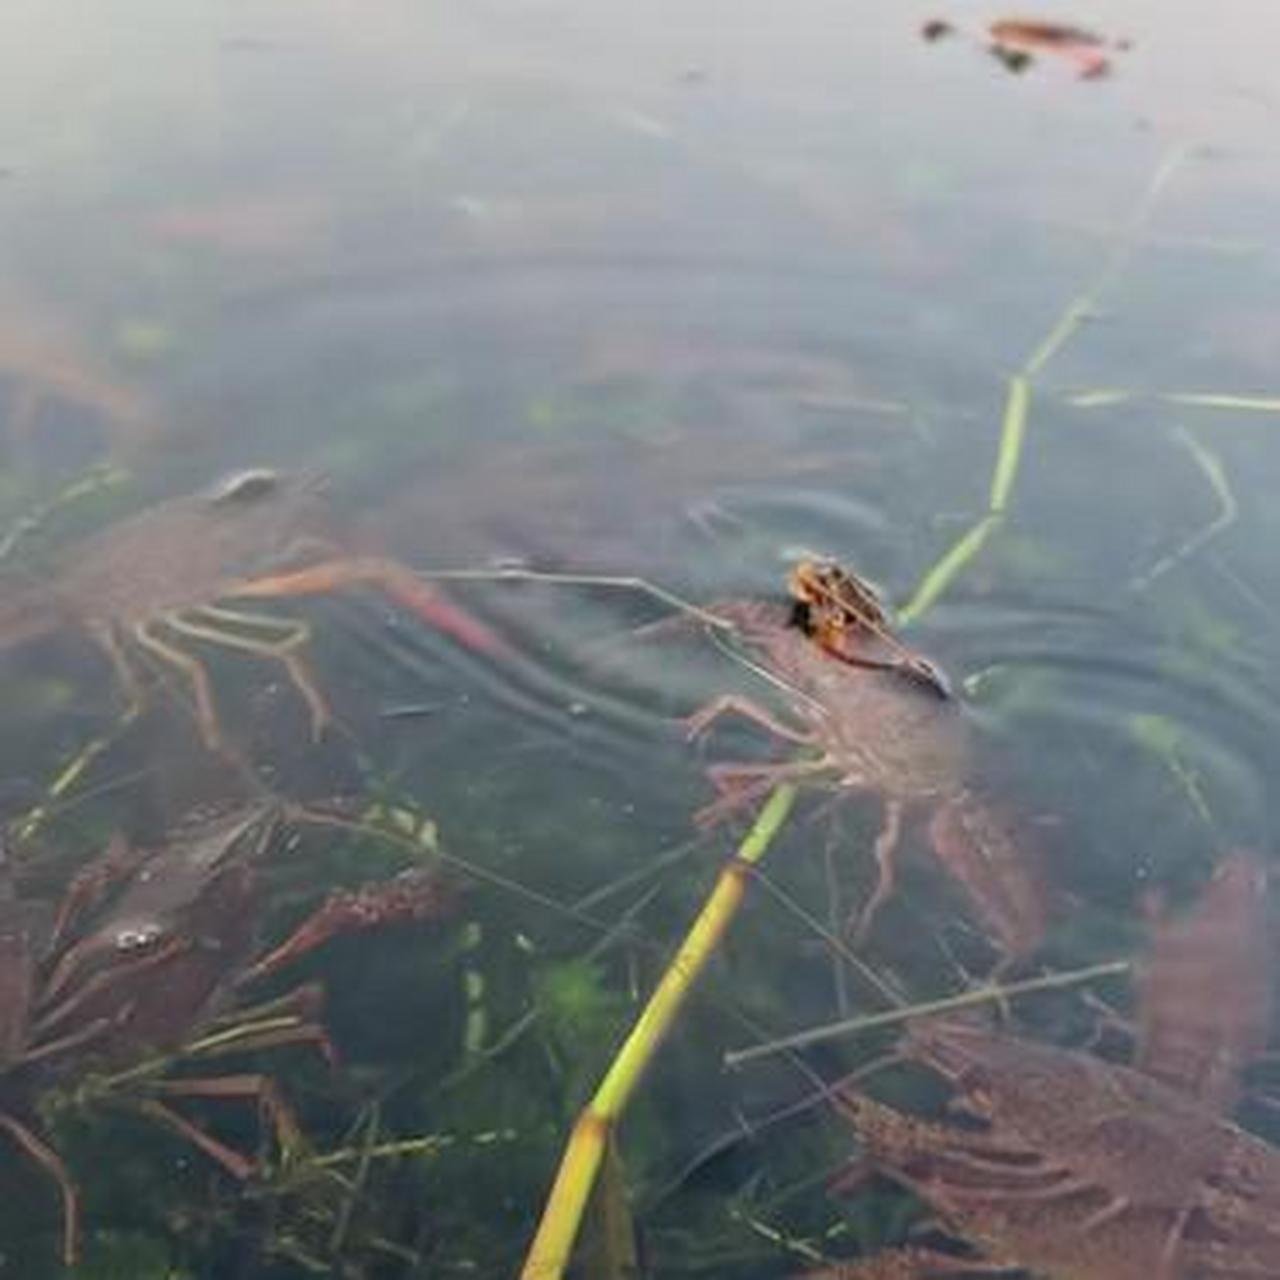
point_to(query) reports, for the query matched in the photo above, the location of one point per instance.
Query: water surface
(680, 292)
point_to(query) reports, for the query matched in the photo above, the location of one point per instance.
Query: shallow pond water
(564, 315)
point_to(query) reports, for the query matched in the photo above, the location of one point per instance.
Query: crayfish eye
(801, 617)
(139, 938)
(244, 486)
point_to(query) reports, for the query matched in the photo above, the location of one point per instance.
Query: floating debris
(1016, 43)
(1015, 60)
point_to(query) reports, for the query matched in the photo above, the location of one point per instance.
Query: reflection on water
(575, 324)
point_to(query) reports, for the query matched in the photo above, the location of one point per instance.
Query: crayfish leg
(886, 850)
(49, 1160)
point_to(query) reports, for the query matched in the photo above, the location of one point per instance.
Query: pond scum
(412, 1042)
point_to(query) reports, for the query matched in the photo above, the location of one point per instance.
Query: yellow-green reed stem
(70, 774)
(552, 1245)
(96, 480)
(939, 577)
(230, 1040)
(1224, 400)
(1098, 397)
(1228, 510)
(1013, 434)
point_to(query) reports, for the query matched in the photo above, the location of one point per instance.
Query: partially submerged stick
(614, 582)
(553, 1244)
(995, 993)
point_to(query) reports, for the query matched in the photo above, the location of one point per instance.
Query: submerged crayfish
(879, 721)
(156, 581)
(1070, 1167)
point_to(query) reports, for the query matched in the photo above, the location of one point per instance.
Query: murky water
(565, 314)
